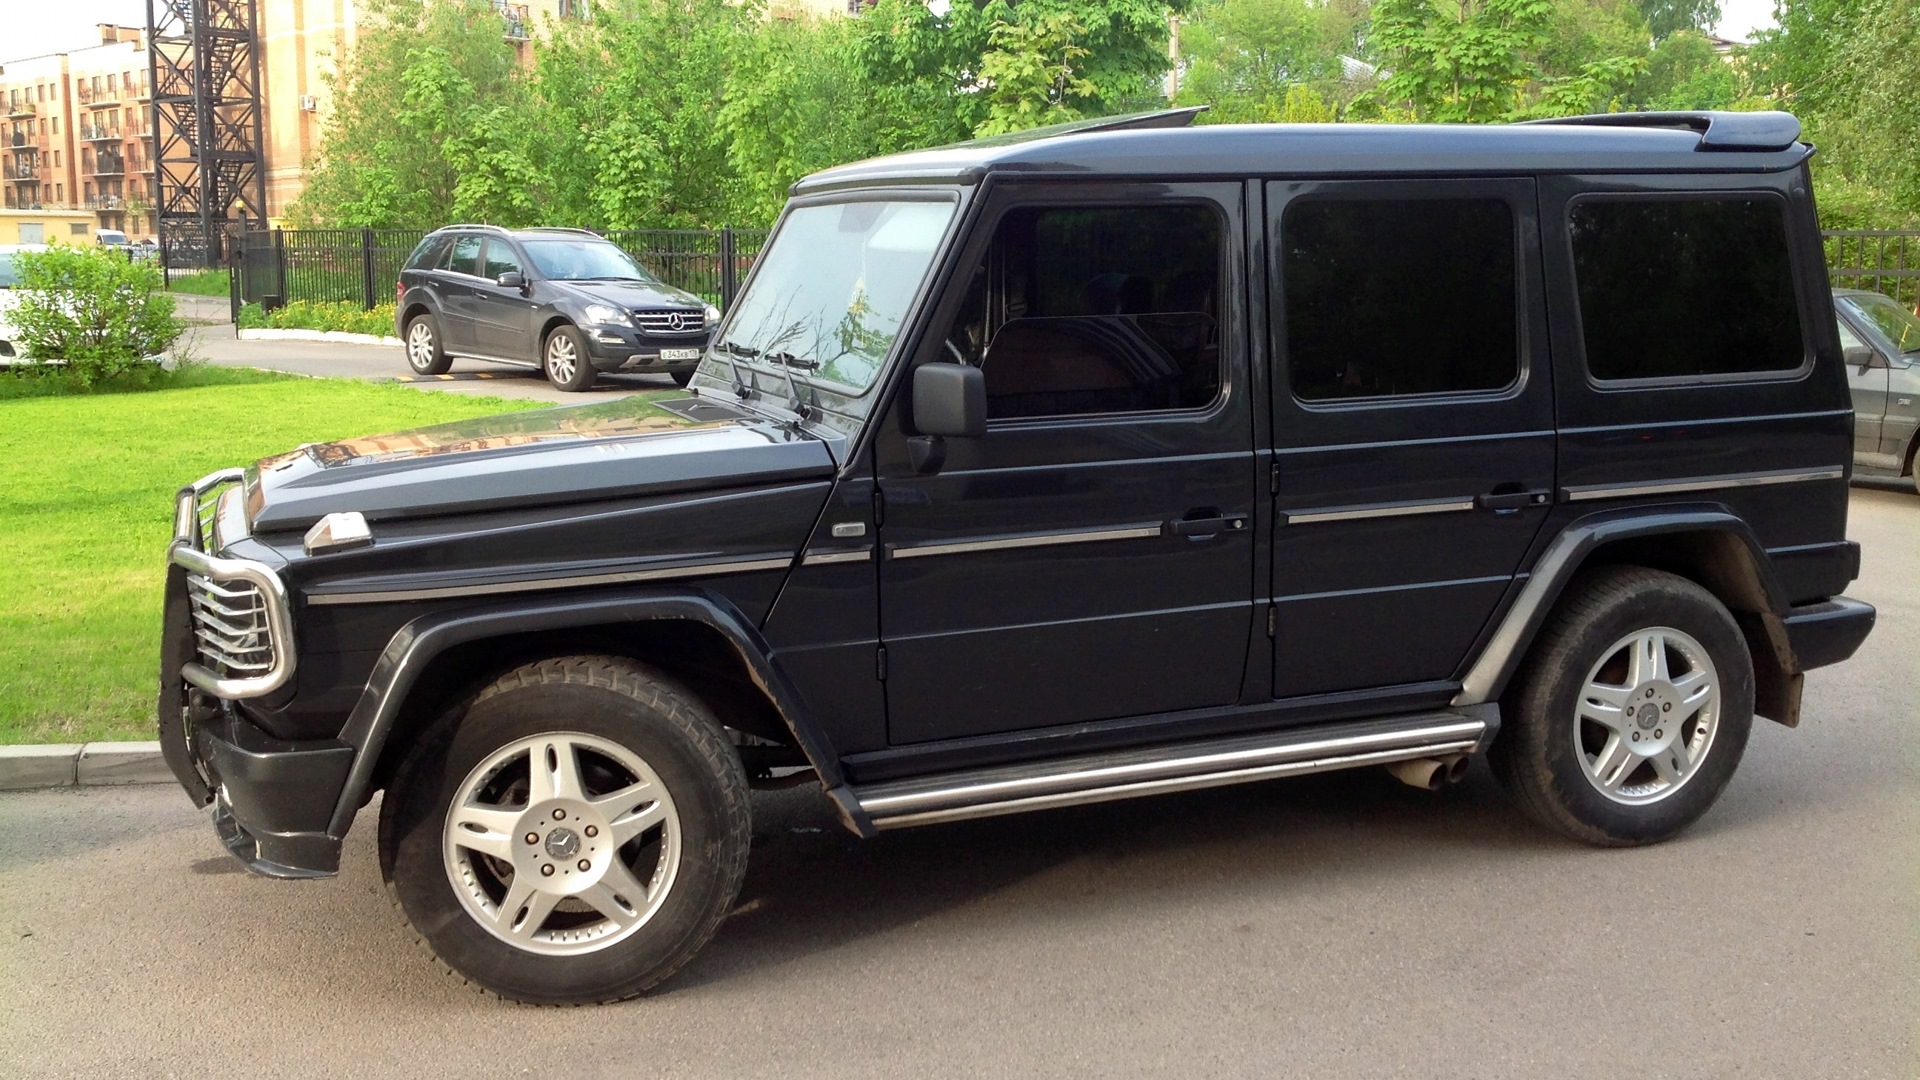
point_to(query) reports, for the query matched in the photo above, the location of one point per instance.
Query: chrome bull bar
(191, 538)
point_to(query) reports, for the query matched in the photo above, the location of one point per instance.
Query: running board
(1125, 774)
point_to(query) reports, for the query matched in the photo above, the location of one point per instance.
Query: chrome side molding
(1027, 540)
(1585, 492)
(568, 581)
(1122, 774)
(1374, 510)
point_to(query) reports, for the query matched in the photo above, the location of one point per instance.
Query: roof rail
(1765, 131)
(1157, 118)
(466, 225)
(562, 229)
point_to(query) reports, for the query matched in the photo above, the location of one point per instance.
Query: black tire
(619, 702)
(682, 378)
(1546, 749)
(428, 357)
(564, 359)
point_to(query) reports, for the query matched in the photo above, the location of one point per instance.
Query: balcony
(106, 202)
(18, 143)
(100, 100)
(91, 133)
(109, 166)
(519, 25)
(26, 170)
(21, 108)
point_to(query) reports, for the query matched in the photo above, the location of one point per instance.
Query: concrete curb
(23, 768)
(318, 335)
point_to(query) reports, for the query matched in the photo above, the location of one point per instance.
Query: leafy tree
(1668, 17)
(1257, 61)
(419, 69)
(1032, 72)
(1459, 60)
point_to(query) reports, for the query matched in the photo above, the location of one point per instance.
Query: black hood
(587, 452)
(627, 294)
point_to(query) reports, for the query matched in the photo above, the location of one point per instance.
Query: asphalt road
(216, 344)
(1328, 927)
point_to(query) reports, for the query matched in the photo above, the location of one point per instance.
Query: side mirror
(512, 279)
(949, 401)
(1862, 356)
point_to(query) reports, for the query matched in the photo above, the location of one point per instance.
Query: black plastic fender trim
(418, 642)
(1487, 678)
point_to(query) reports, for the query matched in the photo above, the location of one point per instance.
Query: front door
(1869, 387)
(502, 317)
(1091, 556)
(1413, 424)
(454, 283)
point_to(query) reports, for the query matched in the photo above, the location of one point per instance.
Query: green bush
(102, 314)
(320, 315)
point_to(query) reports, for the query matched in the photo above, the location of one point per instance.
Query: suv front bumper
(619, 348)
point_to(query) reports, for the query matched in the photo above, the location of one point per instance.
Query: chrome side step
(1124, 774)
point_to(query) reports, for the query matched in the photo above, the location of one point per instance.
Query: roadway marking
(463, 376)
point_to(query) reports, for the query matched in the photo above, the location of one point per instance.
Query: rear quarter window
(427, 253)
(1685, 288)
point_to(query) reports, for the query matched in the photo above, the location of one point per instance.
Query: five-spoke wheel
(564, 359)
(1631, 711)
(424, 353)
(574, 834)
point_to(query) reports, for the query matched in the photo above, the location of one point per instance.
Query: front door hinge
(879, 507)
(1273, 621)
(880, 663)
(1273, 480)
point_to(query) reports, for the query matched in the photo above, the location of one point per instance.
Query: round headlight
(713, 315)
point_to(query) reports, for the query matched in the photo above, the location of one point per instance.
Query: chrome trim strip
(1586, 492)
(1027, 540)
(623, 577)
(1477, 687)
(829, 558)
(1382, 510)
(1135, 773)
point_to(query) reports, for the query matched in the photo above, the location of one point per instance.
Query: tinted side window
(427, 253)
(1085, 310)
(464, 256)
(1392, 297)
(500, 259)
(1673, 288)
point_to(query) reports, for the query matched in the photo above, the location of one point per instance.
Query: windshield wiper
(787, 361)
(731, 349)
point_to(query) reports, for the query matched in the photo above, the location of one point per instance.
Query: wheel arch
(692, 636)
(1709, 545)
(414, 309)
(548, 325)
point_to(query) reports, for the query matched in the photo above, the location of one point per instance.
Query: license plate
(679, 354)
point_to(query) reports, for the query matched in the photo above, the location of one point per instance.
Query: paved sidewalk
(217, 344)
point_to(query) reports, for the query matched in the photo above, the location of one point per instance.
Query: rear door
(1412, 424)
(454, 285)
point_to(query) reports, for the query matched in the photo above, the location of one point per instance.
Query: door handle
(1209, 526)
(1508, 501)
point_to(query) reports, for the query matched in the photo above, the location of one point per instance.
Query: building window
(56, 159)
(56, 125)
(78, 228)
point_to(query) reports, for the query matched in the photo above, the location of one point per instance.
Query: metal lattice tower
(204, 68)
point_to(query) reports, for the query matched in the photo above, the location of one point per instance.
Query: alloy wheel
(562, 843)
(420, 344)
(1647, 715)
(563, 361)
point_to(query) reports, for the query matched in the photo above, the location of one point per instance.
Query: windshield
(1900, 326)
(584, 260)
(832, 288)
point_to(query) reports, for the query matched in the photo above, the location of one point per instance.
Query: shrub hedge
(320, 315)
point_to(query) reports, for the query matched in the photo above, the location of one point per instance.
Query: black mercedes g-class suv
(1110, 461)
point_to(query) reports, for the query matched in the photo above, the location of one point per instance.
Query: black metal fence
(360, 266)
(1884, 260)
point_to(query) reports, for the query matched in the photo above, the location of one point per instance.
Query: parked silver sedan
(1881, 340)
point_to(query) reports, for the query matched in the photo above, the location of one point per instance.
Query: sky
(37, 27)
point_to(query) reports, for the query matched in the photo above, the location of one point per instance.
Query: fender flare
(416, 644)
(1564, 556)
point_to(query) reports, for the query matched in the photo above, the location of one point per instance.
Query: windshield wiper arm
(787, 361)
(731, 349)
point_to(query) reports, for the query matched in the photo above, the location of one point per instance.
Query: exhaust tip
(1430, 774)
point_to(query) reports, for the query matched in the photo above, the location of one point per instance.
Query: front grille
(230, 627)
(663, 322)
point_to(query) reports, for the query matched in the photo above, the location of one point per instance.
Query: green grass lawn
(86, 511)
(212, 282)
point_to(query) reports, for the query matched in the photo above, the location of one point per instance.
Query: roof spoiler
(1749, 131)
